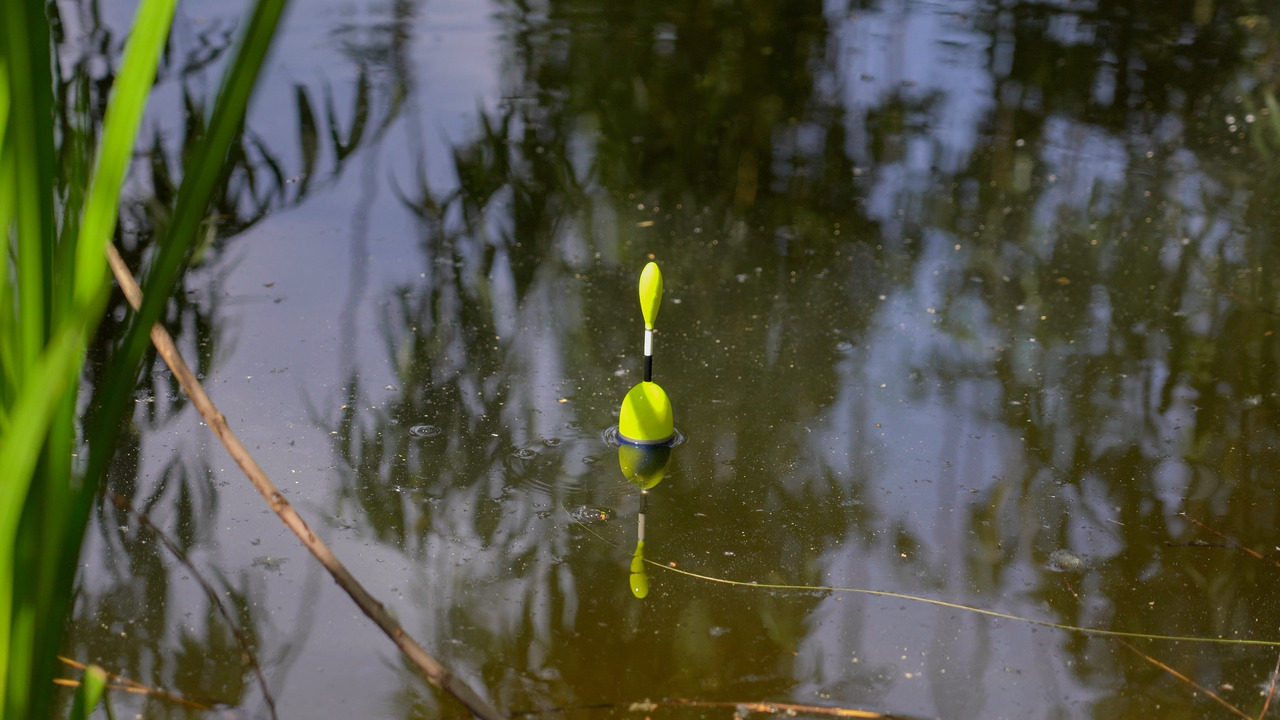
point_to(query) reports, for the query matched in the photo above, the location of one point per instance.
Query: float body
(646, 417)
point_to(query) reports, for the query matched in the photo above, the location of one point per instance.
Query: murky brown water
(968, 302)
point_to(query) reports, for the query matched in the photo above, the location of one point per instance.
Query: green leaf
(8, 338)
(61, 293)
(20, 448)
(28, 144)
(120, 132)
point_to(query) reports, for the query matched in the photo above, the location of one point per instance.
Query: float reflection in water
(645, 466)
(646, 426)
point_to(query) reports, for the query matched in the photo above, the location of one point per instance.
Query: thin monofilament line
(977, 610)
(1098, 632)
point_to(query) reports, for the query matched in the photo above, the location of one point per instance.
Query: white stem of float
(648, 341)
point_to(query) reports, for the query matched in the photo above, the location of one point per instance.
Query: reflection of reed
(246, 648)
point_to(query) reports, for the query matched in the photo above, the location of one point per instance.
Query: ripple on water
(524, 453)
(610, 437)
(426, 431)
(565, 469)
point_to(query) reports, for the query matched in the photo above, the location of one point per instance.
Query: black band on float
(648, 368)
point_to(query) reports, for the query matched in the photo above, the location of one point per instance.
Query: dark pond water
(971, 302)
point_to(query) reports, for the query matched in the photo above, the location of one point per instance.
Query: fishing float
(645, 418)
(646, 426)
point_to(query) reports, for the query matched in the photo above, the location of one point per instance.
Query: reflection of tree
(1132, 329)
(130, 598)
(512, 315)
(1129, 371)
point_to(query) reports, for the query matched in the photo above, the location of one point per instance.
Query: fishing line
(1097, 632)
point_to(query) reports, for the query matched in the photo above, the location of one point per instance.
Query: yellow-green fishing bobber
(646, 417)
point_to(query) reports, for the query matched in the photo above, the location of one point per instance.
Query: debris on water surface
(588, 515)
(266, 562)
(1063, 560)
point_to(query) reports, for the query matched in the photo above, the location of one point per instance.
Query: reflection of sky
(926, 450)
(1082, 163)
(927, 55)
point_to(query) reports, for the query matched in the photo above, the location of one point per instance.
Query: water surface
(971, 302)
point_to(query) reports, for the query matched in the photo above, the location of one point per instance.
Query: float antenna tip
(650, 293)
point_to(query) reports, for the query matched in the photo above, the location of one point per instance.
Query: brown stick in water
(436, 674)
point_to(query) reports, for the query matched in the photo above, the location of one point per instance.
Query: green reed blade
(61, 286)
(62, 291)
(119, 132)
(74, 165)
(7, 330)
(4, 95)
(20, 449)
(29, 140)
(46, 546)
(8, 526)
(64, 516)
(26, 155)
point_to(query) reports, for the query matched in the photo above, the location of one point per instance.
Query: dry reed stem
(788, 709)
(436, 673)
(740, 709)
